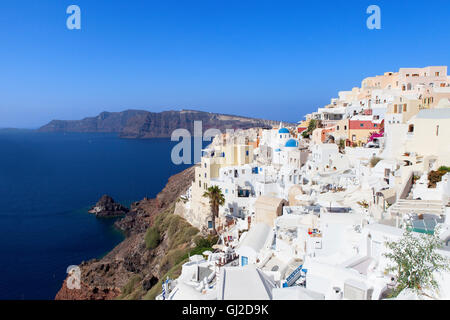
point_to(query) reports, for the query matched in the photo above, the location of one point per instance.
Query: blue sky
(269, 59)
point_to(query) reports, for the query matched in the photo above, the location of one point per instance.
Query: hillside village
(307, 210)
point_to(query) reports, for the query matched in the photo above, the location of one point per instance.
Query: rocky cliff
(144, 124)
(137, 265)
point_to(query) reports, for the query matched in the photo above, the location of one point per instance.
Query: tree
(312, 125)
(415, 259)
(216, 199)
(341, 144)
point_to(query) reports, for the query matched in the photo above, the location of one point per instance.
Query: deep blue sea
(48, 181)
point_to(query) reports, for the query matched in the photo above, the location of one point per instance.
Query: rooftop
(434, 114)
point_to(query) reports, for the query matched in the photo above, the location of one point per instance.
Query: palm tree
(216, 199)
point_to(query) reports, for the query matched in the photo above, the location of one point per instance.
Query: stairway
(404, 206)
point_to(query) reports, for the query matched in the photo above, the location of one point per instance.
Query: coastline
(104, 278)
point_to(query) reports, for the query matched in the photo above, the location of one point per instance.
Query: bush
(129, 287)
(206, 242)
(434, 177)
(444, 168)
(415, 259)
(152, 238)
(305, 134)
(173, 257)
(173, 273)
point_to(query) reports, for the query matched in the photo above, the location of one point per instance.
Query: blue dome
(291, 143)
(283, 130)
(277, 150)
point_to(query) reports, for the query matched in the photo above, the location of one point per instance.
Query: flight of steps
(403, 206)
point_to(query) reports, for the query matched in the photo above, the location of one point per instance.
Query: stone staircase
(404, 206)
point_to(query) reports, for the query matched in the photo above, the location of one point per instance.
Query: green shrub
(444, 168)
(206, 242)
(173, 257)
(173, 273)
(131, 284)
(152, 238)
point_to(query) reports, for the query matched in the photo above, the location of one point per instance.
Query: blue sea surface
(48, 181)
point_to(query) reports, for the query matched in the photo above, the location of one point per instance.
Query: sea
(48, 182)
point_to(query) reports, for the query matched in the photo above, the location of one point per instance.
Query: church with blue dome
(291, 143)
(285, 148)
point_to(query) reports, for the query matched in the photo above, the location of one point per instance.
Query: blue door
(244, 261)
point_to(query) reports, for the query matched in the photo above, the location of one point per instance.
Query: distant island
(144, 124)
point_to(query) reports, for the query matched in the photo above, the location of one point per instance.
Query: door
(244, 261)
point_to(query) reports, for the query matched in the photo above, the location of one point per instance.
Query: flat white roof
(377, 227)
(434, 114)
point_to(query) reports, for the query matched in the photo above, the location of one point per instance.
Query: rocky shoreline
(106, 207)
(132, 261)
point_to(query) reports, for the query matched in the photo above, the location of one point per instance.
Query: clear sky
(269, 59)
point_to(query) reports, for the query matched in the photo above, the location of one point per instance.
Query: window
(361, 125)
(345, 127)
(395, 108)
(337, 127)
(411, 128)
(437, 74)
(437, 130)
(354, 137)
(199, 184)
(404, 107)
(246, 152)
(205, 165)
(205, 175)
(375, 125)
